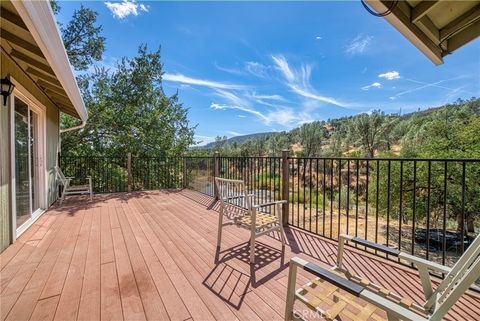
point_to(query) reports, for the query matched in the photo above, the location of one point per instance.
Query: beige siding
(4, 178)
(9, 67)
(52, 127)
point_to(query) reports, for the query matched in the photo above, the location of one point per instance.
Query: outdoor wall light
(7, 88)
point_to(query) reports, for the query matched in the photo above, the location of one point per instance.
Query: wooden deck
(151, 255)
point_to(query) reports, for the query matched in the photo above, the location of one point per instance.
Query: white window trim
(23, 94)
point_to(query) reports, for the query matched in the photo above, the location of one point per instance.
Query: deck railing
(428, 207)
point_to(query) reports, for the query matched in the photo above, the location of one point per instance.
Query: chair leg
(391, 317)
(282, 234)
(292, 276)
(63, 194)
(220, 226)
(252, 248)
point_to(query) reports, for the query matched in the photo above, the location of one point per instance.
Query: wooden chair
(339, 291)
(238, 208)
(69, 189)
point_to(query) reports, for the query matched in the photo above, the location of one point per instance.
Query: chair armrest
(426, 263)
(391, 307)
(269, 204)
(397, 253)
(340, 282)
(375, 246)
(237, 197)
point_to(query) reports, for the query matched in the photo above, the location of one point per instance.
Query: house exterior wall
(5, 229)
(52, 123)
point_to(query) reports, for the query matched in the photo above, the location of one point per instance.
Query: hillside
(446, 131)
(238, 139)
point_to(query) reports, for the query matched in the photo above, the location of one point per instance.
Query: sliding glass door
(25, 134)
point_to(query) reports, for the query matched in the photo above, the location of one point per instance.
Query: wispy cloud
(423, 85)
(122, 10)
(257, 69)
(234, 133)
(200, 82)
(284, 68)
(374, 85)
(242, 108)
(254, 68)
(390, 75)
(358, 45)
(318, 38)
(299, 81)
(267, 97)
(233, 71)
(280, 115)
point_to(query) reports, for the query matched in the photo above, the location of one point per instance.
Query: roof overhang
(436, 27)
(30, 36)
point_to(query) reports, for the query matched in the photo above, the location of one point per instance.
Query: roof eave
(38, 17)
(400, 21)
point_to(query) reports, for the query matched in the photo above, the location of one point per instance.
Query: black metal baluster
(292, 179)
(376, 200)
(339, 196)
(356, 196)
(444, 241)
(310, 201)
(414, 205)
(316, 198)
(304, 161)
(331, 197)
(348, 195)
(429, 187)
(389, 171)
(324, 193)
(298, 191)
(366, 199)
(400, 208)
(462, 231)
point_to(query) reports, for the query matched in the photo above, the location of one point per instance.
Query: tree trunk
(470, 224)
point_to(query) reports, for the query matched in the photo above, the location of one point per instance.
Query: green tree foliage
(129, 112)
(82, 39)
(311, 136)
(446, 133)
(371, 132)
(55, 6)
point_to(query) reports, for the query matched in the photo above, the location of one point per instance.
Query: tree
(81, 37)
(371, 131)
(129, 112)
(55, 6)
(452, 132)
(311, 136)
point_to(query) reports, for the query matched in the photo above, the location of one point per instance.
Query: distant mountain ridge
(239, 139)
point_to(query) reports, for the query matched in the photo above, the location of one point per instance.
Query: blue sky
(247, 67)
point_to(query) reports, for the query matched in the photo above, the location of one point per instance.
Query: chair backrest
(462, 275)
(232, 195)
(59, 175)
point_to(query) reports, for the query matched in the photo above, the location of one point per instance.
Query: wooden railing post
(129, 172)
(285, 186)
(216, 171)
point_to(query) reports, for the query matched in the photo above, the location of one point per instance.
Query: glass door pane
(22, 157)
(34, 160)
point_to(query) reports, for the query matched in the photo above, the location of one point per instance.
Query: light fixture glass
(6, 89)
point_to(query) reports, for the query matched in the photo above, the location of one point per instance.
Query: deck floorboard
(153, 256)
